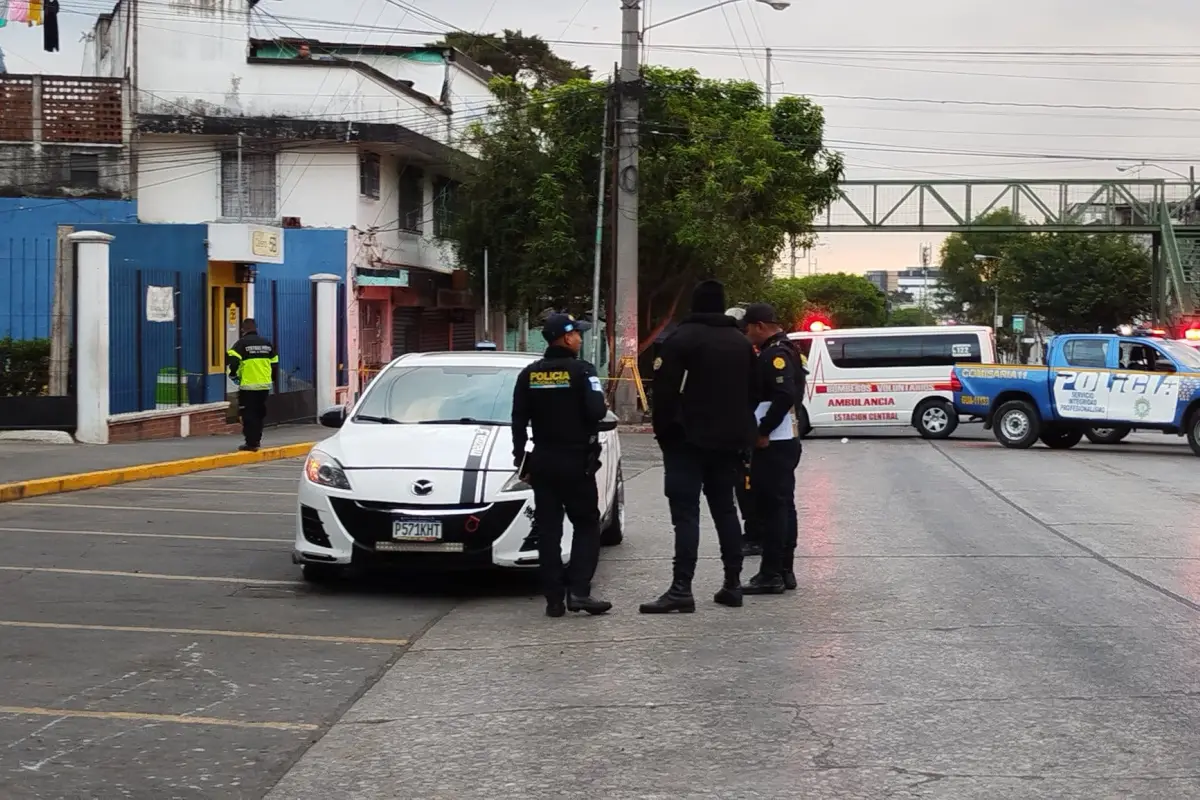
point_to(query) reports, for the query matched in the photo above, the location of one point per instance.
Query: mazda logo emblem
(422, 488)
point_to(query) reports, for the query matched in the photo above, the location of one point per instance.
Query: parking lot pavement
(973, 622)
(159, 644)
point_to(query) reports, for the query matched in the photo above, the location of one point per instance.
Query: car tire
(802, 423)
(935, 419)
(1061, 438)
(614, 533)
(1017, 424)
(1106, 435)
(322, 574)
(1193, 432)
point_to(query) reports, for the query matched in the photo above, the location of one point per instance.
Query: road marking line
(142, 472)
(136, 716)
(117, 534)
(240, 476)
(292, 637)
(225, 511)
(150, 576)
(194, 490)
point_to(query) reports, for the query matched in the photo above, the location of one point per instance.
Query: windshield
(466, 394)
(1188, 358)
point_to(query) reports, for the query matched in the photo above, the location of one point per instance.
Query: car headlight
(324, 470)
(515, 484)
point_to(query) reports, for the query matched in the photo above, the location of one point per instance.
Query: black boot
(789, 580)
(587, 603)
(730, 593)
(555, 608)
(765, 584)
(677, 598)
(751, 548)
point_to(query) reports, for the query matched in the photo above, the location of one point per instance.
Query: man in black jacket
(703, 416)
(777, 454)
(560, 396)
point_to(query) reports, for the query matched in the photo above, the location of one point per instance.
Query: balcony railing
(58, 109)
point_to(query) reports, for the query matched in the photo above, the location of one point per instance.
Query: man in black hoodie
(703, 416)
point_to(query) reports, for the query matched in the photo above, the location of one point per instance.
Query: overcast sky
(1126, 54)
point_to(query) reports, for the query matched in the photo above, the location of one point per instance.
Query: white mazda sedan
(420, 473)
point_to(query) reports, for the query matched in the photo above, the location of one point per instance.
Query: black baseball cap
(760, 313)
(557, 326)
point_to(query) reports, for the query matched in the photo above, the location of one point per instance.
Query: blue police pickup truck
(1095, 385)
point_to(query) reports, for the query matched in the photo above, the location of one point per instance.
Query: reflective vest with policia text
(250, 360)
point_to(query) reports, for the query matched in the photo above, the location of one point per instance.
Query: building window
(914, 350)
(412, 199)
(84, 171)
(368, 175)
(444, 194)
(254, 197)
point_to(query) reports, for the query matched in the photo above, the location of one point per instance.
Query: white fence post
(92, 336)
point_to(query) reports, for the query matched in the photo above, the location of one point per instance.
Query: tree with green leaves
(850, 301)
(787, 296)
(724, 181)
(1074, 282)
(964, 278)
(911, 316)
(513, 54)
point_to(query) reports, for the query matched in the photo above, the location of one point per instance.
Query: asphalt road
(972, 622)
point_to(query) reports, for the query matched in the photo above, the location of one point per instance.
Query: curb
(39, 487)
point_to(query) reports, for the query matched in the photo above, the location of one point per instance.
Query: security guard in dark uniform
(560, 396)
(773, 466)
(253, 365)
(751, 539)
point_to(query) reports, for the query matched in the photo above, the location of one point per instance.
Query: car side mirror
(333, 417)
(1164, 366)
(609, 423)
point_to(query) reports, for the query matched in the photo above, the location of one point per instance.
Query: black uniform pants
(689, 471)
(564, 482)
(773, 476)
(252, 406)
(793, 531)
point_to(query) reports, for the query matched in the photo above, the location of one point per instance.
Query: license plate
(417, 530)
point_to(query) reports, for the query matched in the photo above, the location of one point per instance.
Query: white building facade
(289, 134)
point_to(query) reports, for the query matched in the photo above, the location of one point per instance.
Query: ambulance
(887, 377)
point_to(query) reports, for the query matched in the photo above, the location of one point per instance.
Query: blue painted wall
(28, 238)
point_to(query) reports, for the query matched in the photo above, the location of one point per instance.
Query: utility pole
(626, 338)
(768, 77)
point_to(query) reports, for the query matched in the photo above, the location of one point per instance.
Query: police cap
(557, 326)
(761, 314)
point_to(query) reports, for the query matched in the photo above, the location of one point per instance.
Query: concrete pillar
(326, 356)
(91, 336)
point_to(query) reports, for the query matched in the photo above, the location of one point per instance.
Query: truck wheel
(1061, 438)
(1106, 435)
(935, 419)
(1193, 432)
(1017, 424)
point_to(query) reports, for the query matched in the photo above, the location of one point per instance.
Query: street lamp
(628, 179)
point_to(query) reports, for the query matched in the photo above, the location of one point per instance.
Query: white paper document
(786, 430)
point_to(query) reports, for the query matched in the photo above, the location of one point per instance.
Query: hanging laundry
(18, 10)
(35, 12)
(3, 13)
(50, 32)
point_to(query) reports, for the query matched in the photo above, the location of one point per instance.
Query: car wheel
(1061, 438)
(802, 423)
(935, 419)
(1193, 432)
(322, 573)
(1017, 424)
(614, 534)
(1106, 435)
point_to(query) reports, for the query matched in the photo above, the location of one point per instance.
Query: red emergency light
(816, 323)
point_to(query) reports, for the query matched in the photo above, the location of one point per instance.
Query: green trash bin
(171, 390)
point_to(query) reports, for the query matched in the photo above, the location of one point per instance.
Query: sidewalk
(22, 461)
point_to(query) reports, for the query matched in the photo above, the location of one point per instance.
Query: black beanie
(708, 297)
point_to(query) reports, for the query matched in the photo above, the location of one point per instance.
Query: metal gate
(37, 334)
(293, 304)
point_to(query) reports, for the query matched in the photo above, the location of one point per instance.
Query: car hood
(369, 446)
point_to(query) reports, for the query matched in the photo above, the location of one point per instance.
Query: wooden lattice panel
(16, 109)
(84, 110)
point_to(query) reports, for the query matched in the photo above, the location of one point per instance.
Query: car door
(608, 469)
(1145, 388)
(1080, 388)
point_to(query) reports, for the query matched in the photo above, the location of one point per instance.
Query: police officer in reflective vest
(561, 398)
(253, 365)
(773, 465)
